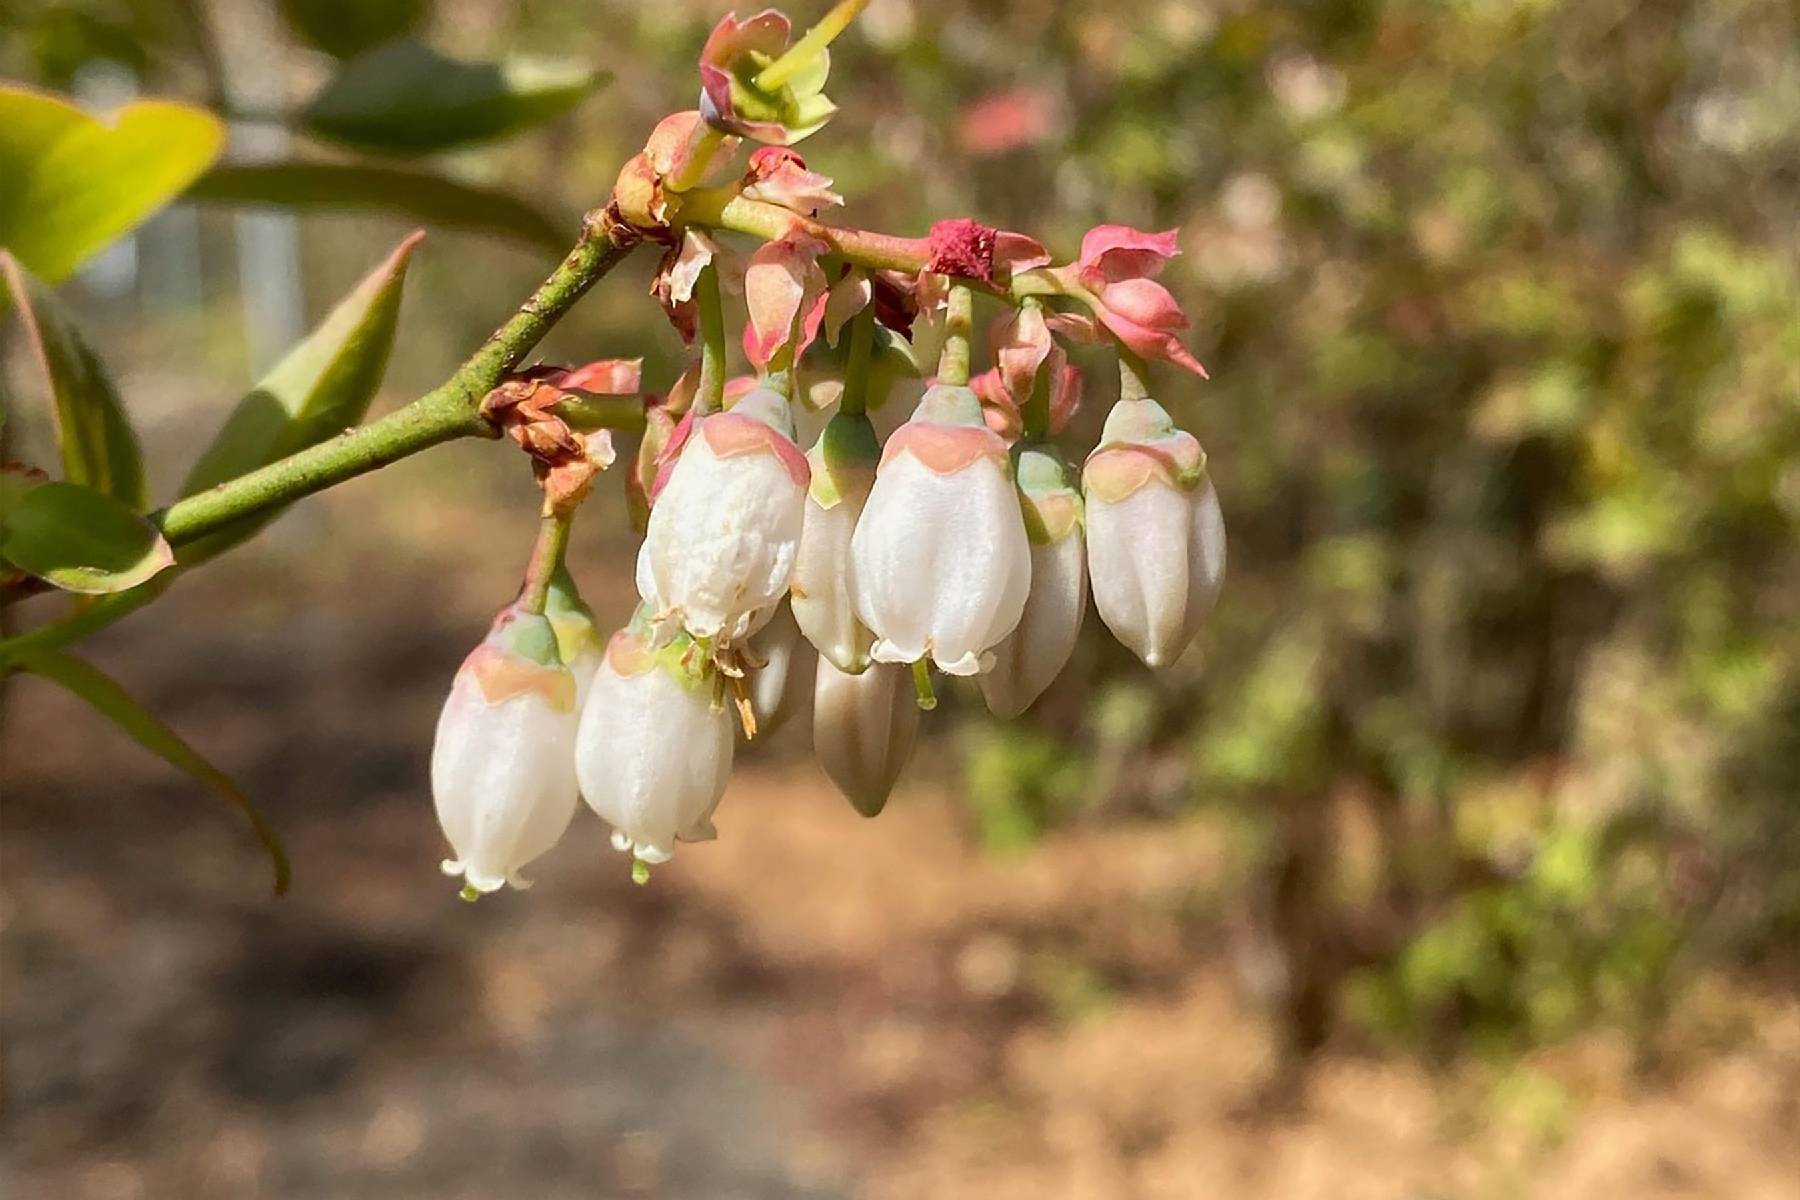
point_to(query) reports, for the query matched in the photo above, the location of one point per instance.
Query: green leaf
(81, 540)
(416, 195)
(116, 705)
(319, 389)
(342, 29)
(69, 183)
(406, 98)
(99, 450)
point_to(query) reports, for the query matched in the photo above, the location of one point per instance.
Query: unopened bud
(654, 750)
(864, 727)
(725, 527)
(941, 561)
(502, 764)
(843, 466)
(1156, 539)
(1036, 652)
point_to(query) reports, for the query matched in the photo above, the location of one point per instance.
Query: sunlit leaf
(116, 705)
(320, 388)
(98, 446)
(70, 183)
(406, 98)
(81, 540)
(345, 29)
(415, 195)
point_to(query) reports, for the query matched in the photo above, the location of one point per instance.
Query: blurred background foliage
(1500, 710)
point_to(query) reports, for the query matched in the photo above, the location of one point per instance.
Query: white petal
(864, 727)
(652, 756)
(1035, 653)
(502, 779)
(1156, 559)
(783, 685)
(823, 596)
(722, 538)
(942, 562)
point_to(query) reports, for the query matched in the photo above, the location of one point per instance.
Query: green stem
(546, 559)
(710, 397)
(1134, 375)
(816, 39)
(959, 321)
(856, 371)
(449, 411)
(921, 673)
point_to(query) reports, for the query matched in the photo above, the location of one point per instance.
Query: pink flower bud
(653, 752)
(843, 472)
(1156, 540)
(725, 526)
(778, 175)
(941, 563)
(1116, 270)
(1035, 653)
(502, 764)
(864, 727)
(785, 293)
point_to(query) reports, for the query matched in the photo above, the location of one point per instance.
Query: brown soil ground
(813, 1006)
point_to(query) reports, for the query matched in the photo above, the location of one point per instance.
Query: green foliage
(117, 706)
(1020, 784)
(346, 29)
(79, 539)
(99, 449)
(405, 192)
(69, 183)
(319, 389)
(406, 98)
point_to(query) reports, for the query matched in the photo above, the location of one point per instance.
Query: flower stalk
(710, 396)
(546, 560)
(953, 367)
(856, 370)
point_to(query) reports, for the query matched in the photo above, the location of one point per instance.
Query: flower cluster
(826, 532)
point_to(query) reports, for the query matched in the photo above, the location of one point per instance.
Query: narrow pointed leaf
(70, 183)
(81, 540)
(416, 195)
(321, 388)
(99, 449)
(116, 705)
(406, 98)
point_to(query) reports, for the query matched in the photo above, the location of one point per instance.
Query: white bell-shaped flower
(1156, 539)
(503, 762)
(864, 727)
(1036, 651)
(783, 682)
(843, 463)
(654, 749)
(725, 526)
(942, 564)
(577, 637)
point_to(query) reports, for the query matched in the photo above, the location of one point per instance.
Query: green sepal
(950, 404)
(847, 447)
(569, 616)
(529, 636)
(1046, 483)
